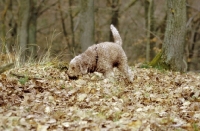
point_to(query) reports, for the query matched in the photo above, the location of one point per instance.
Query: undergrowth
(13, 54)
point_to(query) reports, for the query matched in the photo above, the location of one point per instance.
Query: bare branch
(193, 7)
(45, 9)
(129, 5)
(6, 67)
(38, 8)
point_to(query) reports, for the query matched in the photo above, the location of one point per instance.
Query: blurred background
(54, 26)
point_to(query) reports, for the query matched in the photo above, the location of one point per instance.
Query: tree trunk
(174, 41)
(87, 24)
(115, 14)
(64, 26)
(3, 26)
(71, 25)
(23, 27)
(13, 25)
(149, 11)
(33, 29)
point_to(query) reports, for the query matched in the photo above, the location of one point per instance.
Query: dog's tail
(117, 38)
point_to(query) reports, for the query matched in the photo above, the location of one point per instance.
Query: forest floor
(41, 97)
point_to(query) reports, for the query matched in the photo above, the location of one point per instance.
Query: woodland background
(54, 27)
(38, 94)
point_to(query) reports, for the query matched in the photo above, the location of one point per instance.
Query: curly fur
(102, 58)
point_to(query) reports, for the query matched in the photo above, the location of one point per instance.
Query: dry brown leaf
(156, 100)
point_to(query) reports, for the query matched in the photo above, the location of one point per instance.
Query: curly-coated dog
(101, 58)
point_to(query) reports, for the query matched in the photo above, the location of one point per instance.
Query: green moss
(159, 63)
(145, 65)
(23, 80)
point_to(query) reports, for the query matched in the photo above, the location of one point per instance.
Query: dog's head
(76, 67)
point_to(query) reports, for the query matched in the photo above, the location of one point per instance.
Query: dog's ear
(84, 68)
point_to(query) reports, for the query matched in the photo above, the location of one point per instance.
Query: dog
(102, 57)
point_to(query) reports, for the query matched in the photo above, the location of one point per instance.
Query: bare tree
(32, 37)
(114, 4)
(193, 35)
(63, 25)
(23, 27)
(86, 23)
(30, 10)
(149, 17)
(7, 5)
(71, 24)
(172, 54)
(174, 41)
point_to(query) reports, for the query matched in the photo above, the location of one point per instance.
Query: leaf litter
(43, 98)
